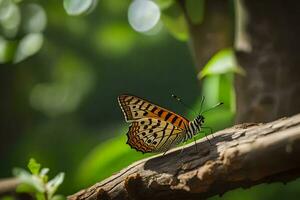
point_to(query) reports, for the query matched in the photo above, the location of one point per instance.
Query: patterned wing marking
(153, 135)
(135, 108)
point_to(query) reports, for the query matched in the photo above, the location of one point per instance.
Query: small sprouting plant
(35, 181)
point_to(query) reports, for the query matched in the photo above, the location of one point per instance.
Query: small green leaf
(174, 20)
(53, 184)
(33, 166)
(195, 10)
(25, 188)
(32, 180)
(43, 174)
(44, 171)
(222, 62)
(78, 7)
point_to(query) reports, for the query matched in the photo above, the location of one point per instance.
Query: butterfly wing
(135, 108)
(153, 135)
(153, 128)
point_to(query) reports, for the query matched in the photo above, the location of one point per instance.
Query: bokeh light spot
(143, 15)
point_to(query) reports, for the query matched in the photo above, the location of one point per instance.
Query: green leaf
(25, 188)
(78, 7)
(28, 46)
(43, 174)
(222, 62)
(210, 90)
(227, 91)
(44, 171)
(215, 89)
(219, 88)
(53, 184)
(174, 20)
(33, 166)
(32, 180)
(195, 10)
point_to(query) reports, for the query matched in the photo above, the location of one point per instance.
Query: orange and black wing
(153, 135)
(135, 108)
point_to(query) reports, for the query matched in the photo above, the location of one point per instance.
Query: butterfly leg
(205, 136)
(180, 157)
(210, 131)
(195, 144)
(181, 151)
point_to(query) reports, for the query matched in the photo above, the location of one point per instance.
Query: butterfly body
(194, 127)
(153, 128)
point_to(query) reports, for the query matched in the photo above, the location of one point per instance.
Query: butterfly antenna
(185, 105)
(215, 106)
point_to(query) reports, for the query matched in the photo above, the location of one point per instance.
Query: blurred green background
(59, 88)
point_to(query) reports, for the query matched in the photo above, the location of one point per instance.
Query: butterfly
(154, 128)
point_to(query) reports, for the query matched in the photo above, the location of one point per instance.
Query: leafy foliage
(36, 182)
(34, 167)
(222, 62)
(175, 23)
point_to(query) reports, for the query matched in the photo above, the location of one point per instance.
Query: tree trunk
(268, 50)
(213, 34)
(240, 156)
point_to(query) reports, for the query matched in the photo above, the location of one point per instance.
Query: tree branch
(241, 156)
(8, 185)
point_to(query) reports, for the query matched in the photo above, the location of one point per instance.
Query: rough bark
(270, 56)
(241, 156)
